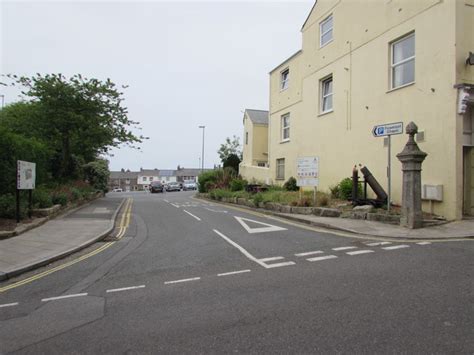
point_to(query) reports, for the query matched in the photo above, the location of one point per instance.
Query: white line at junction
(271, 259)
(172, 204)
(63, 297)
(125, 288)
(377, 244)
(393, 247)
(320, 258)
(196, 217)
(182, 280)
(234, 272)
(357, 252)
(423, 243)
(286, 263)
(310, 253)
(9, 305)
(343, 248)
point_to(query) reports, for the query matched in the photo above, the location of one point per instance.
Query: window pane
(404, 49)
(325, 26)
(404, 73)
(325, 38)
(327, 103)
(327, 87)
(286, 133)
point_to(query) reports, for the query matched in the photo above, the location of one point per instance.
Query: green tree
(230, 147)
(80, 118)
(97, 173)
(232, 161)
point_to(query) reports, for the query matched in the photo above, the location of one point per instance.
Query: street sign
(388, 129)
(26, 175)
(307, 171)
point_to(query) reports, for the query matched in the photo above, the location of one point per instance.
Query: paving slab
(58, 237)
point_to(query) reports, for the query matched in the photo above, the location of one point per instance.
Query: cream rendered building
(365, 63)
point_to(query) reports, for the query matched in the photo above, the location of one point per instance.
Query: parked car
(117, 189)
(189, 185)
(156, 186)
(173, 186)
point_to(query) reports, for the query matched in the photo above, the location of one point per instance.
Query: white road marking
(9, 305)
(286, 263)
(182, 280)
(242, 250)
(174, 205)
(423, 243)
(319, 258)
(124, 289)
(192, 215)
(267, 228)
(310, 253)
(357, 252)
(210, 209)
(233, 272)
(343, 248)
(377, 244)
(63, 297)
(272, 258)
(396, 247)
(166, 200)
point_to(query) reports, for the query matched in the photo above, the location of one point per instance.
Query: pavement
(58, 237)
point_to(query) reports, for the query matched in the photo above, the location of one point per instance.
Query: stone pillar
(412, 158)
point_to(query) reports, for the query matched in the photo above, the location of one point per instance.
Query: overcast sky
(186, 63)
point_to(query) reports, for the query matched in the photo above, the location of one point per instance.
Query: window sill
(281, 90)
(280, 179)
(400, 87)
(284, 141)
(325, 113)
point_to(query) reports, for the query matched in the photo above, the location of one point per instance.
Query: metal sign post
(388, 130)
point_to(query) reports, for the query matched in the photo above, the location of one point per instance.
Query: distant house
(126, 180)
(167, 175)
(147, 176)
(183, 174)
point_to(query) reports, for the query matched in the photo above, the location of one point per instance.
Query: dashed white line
(9, 305)
(196, 217)
(286, 263)
(125, 288)
(233, 272)
(377, 244)
(357, 252)
(271, 259)
(423, 243)
(166, 200)
(396, 247)
(310, 253)
(210, 209)
(182, 280)
(63, 297)
(172, 204)
(320, 258)
(343, 248)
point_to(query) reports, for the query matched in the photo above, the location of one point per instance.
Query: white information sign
(25, 175)
(307, 171)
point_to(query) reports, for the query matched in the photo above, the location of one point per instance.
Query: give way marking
(252, 230)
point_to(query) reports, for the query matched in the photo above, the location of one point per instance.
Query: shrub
(290, 184)
(322, 200)
(42, 198)
(238, 185)
(76, 194)
(257, 198)
(8, 206)
(60, 198)
(207, 181)
(219, 194)
(97, 173)
(334, 191)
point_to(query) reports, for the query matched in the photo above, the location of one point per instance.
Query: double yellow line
(123, 225)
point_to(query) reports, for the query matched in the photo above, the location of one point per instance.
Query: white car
(189, 185)
(117, 189)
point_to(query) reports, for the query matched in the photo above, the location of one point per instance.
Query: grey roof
(189, 172)
(153, 172)
(287, 60)
(123, 174)
(167, 172)
(257, 116)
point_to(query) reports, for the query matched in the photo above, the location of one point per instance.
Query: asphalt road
(189, 276)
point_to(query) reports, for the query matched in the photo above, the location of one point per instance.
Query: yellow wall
(254, 150)
(359, 60)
